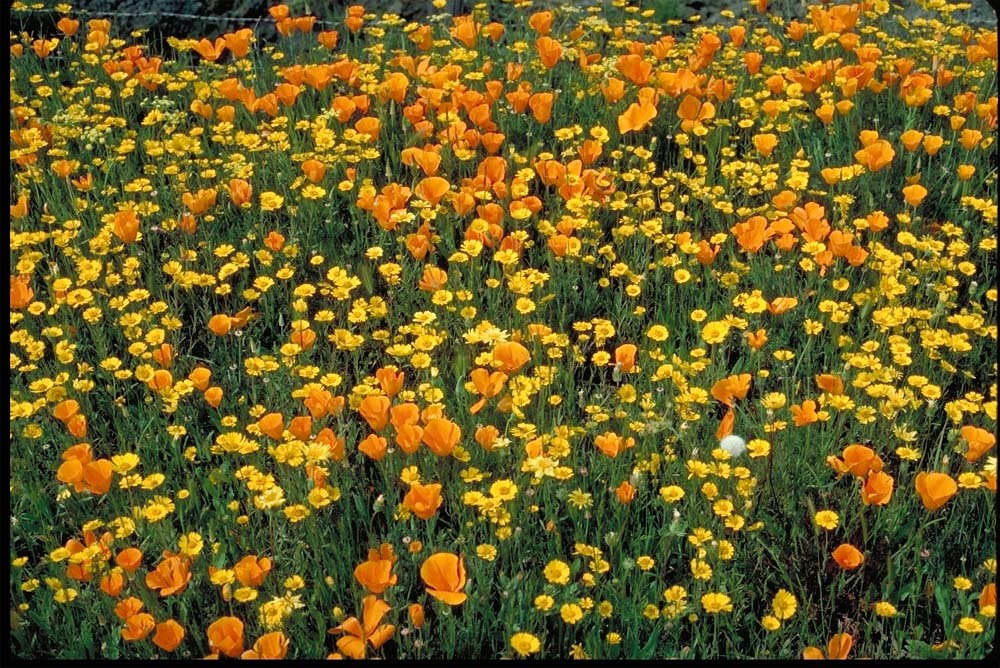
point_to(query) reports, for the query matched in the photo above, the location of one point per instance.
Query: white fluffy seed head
(734, 445)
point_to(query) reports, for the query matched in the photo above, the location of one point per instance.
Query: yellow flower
(716, 602)
(544, 602)
(270, 201)
(557, 572)
(885, 609)
(525, 644)
(970, 625)
(571, 613)
(770, 623)
(644, 563)
(784, 604)
(827, 519)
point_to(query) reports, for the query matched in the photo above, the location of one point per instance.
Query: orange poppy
(875, 155)
(130, 559)
(510, 356)
(374, 446)
(126, 226)
(804, 414)
(432, 189)
(170, 577)
(210, 51)
(251, 570)
(988, 596)
(752, 234)
(486, 436)
(225, 635)
(980, 442)
(423, 500)
(549, 51)
(765, 143)
(914, 194)
(213, 396)
(838, 648)
(757, 339)
(301, 427)
(272, 425)
(355, 643)
(444, 575)
(877, 489)
(376, 574)
(163, 355)
(138, 626)
(441, 436)
(333, 443)
(200, 377)
(65, 410)
(128, 607)
(433, 279)
(416, 613)
(636, 117)
(613, 90)
(848, 557)
(272, 645)
(375, 410)
(726, 424)
(220, 324)
(935, 489)
(541, 21)
(861, 460)
(21, 292)
(731, 388)
(541, 106)
(486, 385)
(68, 26)
(112, 582)
(625, 492)
(168, 636)
(830, 383)
(611, 444)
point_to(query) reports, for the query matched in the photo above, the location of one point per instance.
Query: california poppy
(273, 645)
(170, 577)
(423, 500)
(860, 460)
(549, 51)
(877, 489)
(21, 292)
(138, 626)
(112, 582)
(805, 413)
(355, 643)
(441, 436)
(980, 442)
(611, 444)
(731, 388)
(838, 648)
(272, 425)
(636, 117)
(126, 226)
(935, 489)
(376, 574)
(486, 385)
(510, 356)
(375, 410)
(416, 613)
(374, 446)
(251, 570)
(129, 559)
(848, 557)
(127, 607)
(444, 575)
(225, 635)
(169, 635)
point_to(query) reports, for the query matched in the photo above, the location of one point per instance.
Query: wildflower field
(534, 332)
